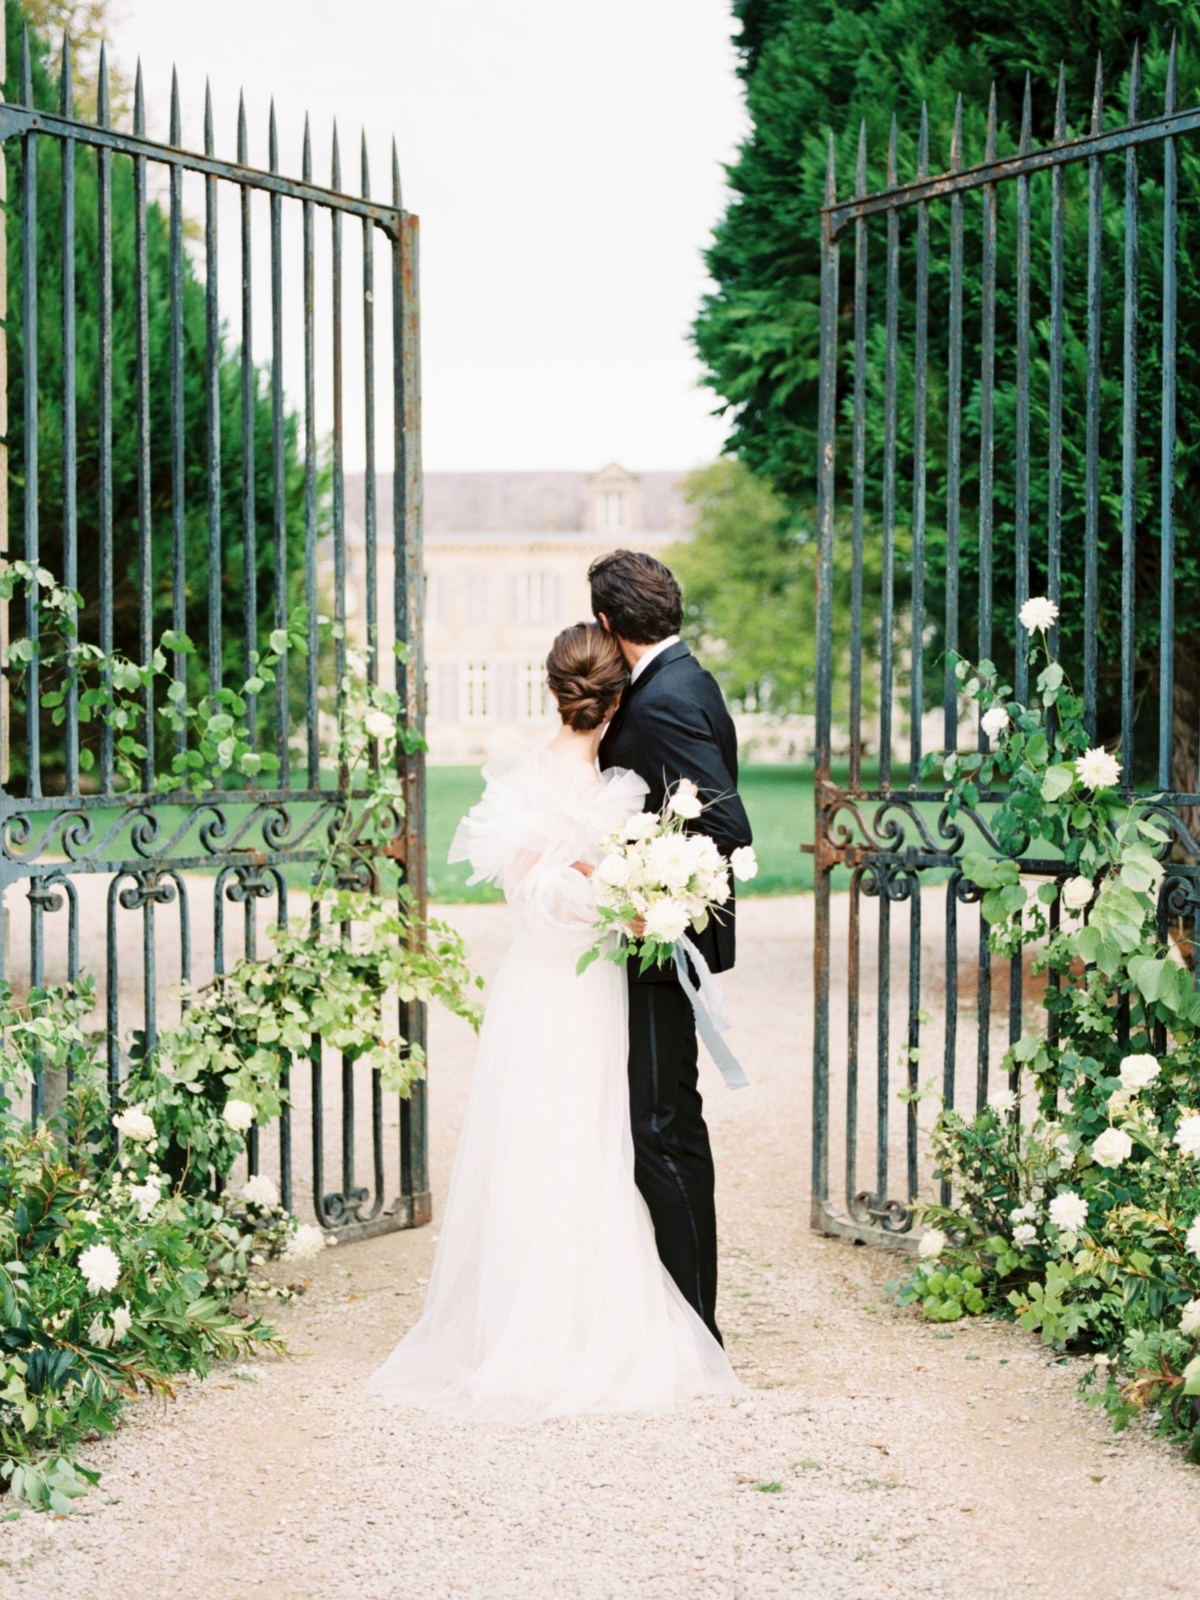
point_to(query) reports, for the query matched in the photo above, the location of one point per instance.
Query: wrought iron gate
(957, 486)
(94, 849)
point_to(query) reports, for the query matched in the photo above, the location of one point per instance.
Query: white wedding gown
(548, 1297)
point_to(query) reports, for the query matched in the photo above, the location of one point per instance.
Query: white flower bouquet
(657, 877)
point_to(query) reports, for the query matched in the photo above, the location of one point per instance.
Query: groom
(672, 723)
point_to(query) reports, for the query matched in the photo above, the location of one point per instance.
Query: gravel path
(874, 1457)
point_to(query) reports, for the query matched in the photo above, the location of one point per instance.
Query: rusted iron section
(251, 841)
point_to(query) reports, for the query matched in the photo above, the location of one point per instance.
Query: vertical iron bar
(1091, 515)
(853, 989)
(105, 342)
(913, 1053)
(69, 431)
(29, 281)
(987, 400)
(883, 1093)
(310, 480)
(826, 486)
(278, 485)
(216, 664)
(1021, 505)
(145, 545)
(860, 475)
(953, 446)
(178, 467)
(886, 616)
(950, 1053)
(339, 515)
(920, 372)
(1166, 620)
(1129, 441)
(249, 399)
(1054, 487)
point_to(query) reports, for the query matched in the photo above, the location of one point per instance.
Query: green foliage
(815, 67)
(747, 573)
(1076, 1197)
(50, 483)
(182, 1253)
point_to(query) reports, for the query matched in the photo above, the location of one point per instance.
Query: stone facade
(506, 559)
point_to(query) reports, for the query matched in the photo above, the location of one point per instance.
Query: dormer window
(614, 509)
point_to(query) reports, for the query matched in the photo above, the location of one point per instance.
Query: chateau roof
(520, 503)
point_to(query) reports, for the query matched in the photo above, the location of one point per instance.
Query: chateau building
(506, 559)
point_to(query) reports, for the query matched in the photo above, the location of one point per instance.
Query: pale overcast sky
(565, 159)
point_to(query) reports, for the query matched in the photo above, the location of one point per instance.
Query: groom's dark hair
(639, 598)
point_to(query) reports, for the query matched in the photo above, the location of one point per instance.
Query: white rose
(1119, 1100)
(614, 871)
(1063, 1149)
(718, 888)
(744, 863)
(706, 858)
(686, 802)
(99, 1333)
(994, 722)
(667, 920)
(642, 825)
(933, 1242)
(1189, 1318)
(238, 1115)
(135, 1123)
(145, 1196)
(1192, 1241)
(1024, 1233)
(1038, 614)
(1135, 1072)
(669, 861)
(1112, 1147)
(122, 1321)
(1077, 893)
(1069, 1211)
(379, 725)
(261, 1191)
(308, 1240)
(1025, 1213)
(1098, 769)
(1187, 1134)
(1002, 1101)
(101, 1267)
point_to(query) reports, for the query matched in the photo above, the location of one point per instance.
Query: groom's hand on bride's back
(583, 866)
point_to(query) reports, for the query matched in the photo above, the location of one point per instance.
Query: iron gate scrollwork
(958, 489)
(96, 851)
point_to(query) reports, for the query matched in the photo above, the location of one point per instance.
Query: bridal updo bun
(586, 672)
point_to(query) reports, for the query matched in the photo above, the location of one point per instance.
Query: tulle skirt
(548, 1297)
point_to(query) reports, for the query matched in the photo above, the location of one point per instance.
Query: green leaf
(1056, 781)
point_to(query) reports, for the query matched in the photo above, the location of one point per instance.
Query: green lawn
(779, 800)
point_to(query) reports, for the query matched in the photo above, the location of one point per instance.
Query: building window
(478, 707)
(535, 598)
(437, 599)
(507, 698)
(444, 676)
(537, 702)
(478, 599)
(613, 512)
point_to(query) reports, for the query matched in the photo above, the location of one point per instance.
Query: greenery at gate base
(176, 1258)
(1081, 1217)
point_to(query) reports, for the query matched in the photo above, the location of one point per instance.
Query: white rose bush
(661, 871)
(128, 1258)
(1075, 1189)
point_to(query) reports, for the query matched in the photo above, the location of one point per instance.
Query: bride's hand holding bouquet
(656, 881)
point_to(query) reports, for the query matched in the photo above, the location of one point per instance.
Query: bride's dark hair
(586, 672)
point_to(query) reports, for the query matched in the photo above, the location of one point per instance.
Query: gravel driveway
(874, 1456)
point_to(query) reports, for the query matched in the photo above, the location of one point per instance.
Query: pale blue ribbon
(710, 1024)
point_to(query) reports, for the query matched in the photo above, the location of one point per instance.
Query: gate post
(826, 419)
(407, 511)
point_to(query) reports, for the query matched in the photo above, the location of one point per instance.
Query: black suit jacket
(673, 723)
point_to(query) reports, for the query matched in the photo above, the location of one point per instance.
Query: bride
(548, 1297)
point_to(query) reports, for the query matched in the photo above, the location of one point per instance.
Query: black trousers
(673, 1162)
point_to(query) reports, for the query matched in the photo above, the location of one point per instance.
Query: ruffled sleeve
(534, 822)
